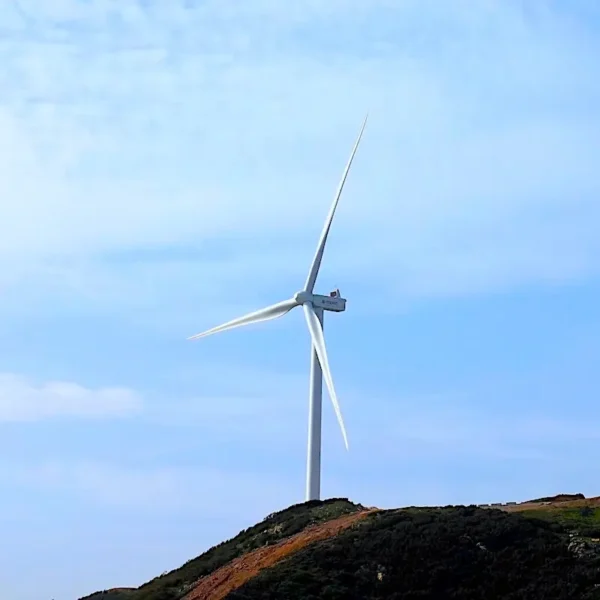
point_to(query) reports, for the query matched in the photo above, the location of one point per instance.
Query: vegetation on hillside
(280, 525)
(462, 553)
(583, 520)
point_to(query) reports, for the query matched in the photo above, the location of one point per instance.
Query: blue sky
(168, 166)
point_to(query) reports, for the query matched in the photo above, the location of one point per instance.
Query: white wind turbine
(314, 306)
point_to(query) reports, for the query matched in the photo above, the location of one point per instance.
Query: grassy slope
(585, 522)
(280, 525)
(581, 516)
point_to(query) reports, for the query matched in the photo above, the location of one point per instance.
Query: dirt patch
(234, 574)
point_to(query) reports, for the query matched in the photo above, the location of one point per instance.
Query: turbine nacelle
(334, 302)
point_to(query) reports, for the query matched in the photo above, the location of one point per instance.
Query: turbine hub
(302, 297)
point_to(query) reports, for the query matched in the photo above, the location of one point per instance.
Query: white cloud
(477, 171)
(250, 407)
(213, 491)
(24, 400)
(417, 428)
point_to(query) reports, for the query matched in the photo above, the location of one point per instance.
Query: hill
(547, 548)
(273, 529)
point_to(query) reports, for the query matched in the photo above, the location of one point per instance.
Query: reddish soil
(234, 574)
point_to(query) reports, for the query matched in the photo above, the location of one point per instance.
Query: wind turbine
(314, 306)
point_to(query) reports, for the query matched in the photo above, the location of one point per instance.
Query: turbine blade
(316, 264)
(265, 314)
(316, 333)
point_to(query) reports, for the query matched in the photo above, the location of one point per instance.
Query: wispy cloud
(468, 181)
(458, 427)
(24, 400)
(212, 491)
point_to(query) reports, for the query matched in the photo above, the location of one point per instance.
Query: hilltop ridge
(337, 550)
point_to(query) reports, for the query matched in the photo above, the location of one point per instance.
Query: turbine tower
(314, 307)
